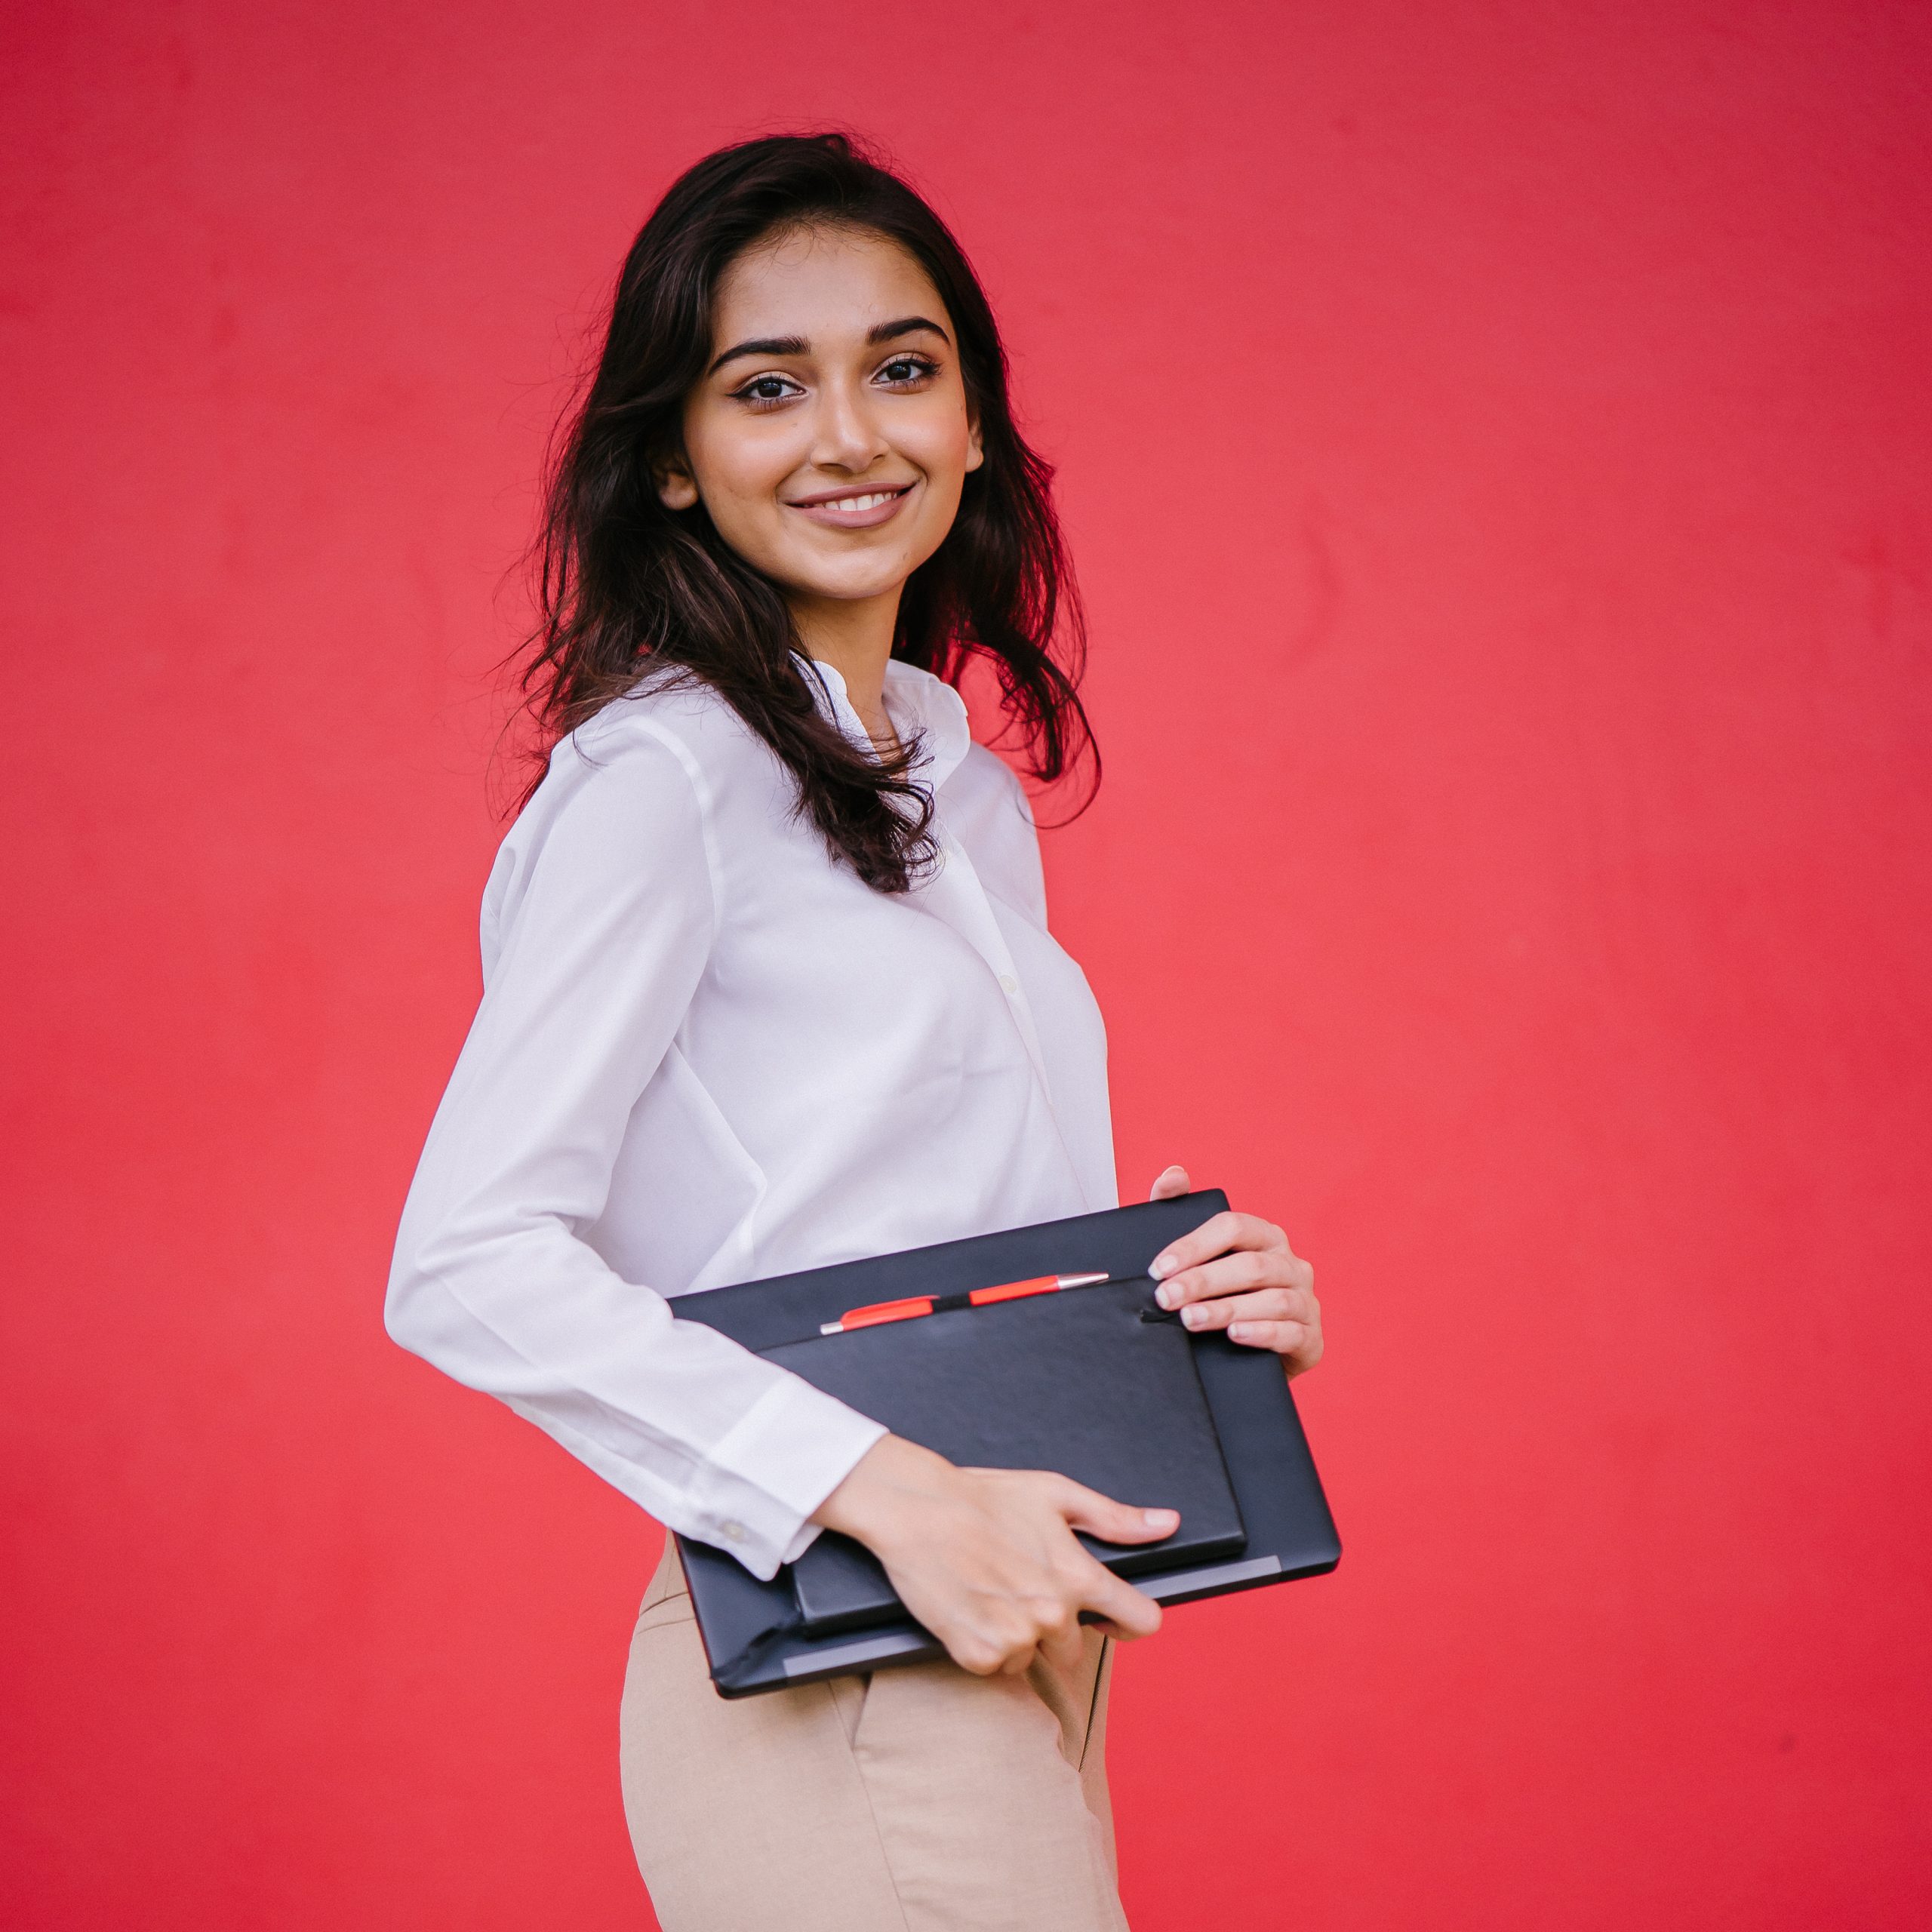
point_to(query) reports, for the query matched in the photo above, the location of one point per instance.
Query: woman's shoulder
(666, 732)
(988, 811)
(674, 710)
(625, 803)
(984, 783)
(651, 757)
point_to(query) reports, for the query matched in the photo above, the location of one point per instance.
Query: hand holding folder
(986, 1559)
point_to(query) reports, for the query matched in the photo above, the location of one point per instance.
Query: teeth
(855, 504)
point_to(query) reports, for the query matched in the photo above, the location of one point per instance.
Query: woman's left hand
(1237, 1272)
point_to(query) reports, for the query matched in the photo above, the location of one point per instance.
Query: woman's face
(830, 436)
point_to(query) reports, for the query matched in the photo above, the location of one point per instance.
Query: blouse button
(732, 1531)
(1008, 985)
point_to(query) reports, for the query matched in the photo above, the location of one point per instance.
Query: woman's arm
(605, 913)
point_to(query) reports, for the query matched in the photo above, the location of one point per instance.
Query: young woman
(768, 985)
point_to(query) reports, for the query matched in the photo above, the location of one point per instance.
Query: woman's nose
(847, 437)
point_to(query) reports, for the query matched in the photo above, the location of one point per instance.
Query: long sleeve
(605, 907)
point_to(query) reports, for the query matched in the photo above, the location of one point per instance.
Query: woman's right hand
(986, 1559)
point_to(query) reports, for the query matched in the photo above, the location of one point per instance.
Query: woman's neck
(854, 636)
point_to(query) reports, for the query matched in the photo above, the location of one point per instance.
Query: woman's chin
(850, 580)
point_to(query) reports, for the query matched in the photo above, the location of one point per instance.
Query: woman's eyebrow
(796, 345)
(906, 325)
(764, 345)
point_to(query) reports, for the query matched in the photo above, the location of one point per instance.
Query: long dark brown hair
(624, 584)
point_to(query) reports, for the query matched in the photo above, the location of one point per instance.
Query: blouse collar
(919, 705)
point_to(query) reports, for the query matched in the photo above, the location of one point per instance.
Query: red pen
(875, 1312)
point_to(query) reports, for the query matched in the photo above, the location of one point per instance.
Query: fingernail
(1238, 1331)
(1192, 1317)
(1161, 1265)
(1159, 1518)
(1167, 1297)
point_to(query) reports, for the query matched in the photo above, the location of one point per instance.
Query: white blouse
(706, 1053)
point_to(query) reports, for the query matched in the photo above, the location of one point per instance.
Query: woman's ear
(976, 451)
(677, 489)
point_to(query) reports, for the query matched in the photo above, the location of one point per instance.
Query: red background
(1495, 439)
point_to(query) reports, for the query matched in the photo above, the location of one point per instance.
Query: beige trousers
(922, 1799)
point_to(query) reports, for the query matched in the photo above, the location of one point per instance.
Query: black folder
(1095, 1382)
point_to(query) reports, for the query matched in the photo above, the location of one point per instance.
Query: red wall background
(1496, 442)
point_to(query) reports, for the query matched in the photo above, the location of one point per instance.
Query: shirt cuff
(782, 1458)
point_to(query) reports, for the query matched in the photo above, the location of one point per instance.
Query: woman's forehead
(823, 285)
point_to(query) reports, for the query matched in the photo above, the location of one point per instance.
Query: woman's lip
(824, 510)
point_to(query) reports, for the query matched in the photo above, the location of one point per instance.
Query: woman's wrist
(892, 1483)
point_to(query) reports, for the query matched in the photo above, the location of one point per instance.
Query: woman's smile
(853, 509)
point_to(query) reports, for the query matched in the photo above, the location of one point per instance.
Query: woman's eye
(907, 369)
(765, 390)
